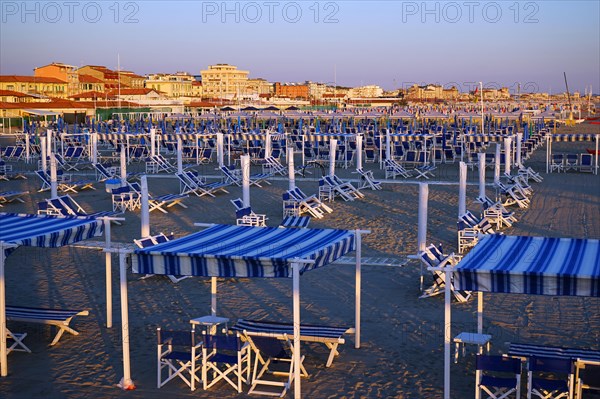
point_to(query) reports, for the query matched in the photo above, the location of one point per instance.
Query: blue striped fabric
(574, 137)
(47, 231)
(531, 265)
(486, 138)
(242, 251)
(529, 350)
(410, 137)
(288, 328)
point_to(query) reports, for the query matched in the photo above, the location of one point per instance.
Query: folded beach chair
(56, 317)
(496, 213)
(433, 257)
(158, 163)
(342, 189)
(393, 169)
(245, 216)
(367, 180)
(529, 173)
(153, 240)
(106, 171)
(470, 227)
(10, 196)
(272, 166)
(512, 195)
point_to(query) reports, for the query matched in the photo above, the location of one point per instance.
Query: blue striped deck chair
(432, 257)
(529, 173)
(272, 166)
(201, 187)
(273, 356)
(499, 377)
(512, 195)
(368, 180)
(496, 213)
(550, 378)
(557, 163)
(470, 227)
(300, 222)
(74, 158)
(341, 189)
(11, 196)
(330, 336)
(64, 182)
(54, 317)
(154, 240)
(393, 169)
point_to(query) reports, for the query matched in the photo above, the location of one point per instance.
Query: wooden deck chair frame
(262, 360)
(178, 363)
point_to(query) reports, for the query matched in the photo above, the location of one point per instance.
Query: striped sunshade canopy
(531, 265)
(242, 251)
(574, 137)
(47, 231)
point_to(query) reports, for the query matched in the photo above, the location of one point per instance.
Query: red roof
(203, 104)
(131, 92)
(89, 79)
(29, 79)
(14, 93)
(90, 94)
(196, 83)
(58, 103)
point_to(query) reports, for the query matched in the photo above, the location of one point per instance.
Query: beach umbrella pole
(481, 159)
(179, 155)
(123, 166)
(447, 331)
(220, 149)
(108, 273)
(422, 228)
(518, 150)
(44, 153)
(213, 296)
(291, 171)
(145, 211)
(497, 164)
(359, 142)
(3, 354)
(152, 142)
(246, 180)
(462, 189)
(53, 182)
(126, 383)
(507, 155)
(296, 316)
(332, 150)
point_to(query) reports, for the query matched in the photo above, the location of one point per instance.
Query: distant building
(9, 96)
(223, 81)
(131, 79)
(291, 90)
(259, 86)
(64, 72)
(365, 92)
(89, 83)
(108, 76)
(180, 84)
(34, 85)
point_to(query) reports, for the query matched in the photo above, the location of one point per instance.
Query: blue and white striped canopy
(47, 231)
(531, 265)
(242, 251)
(574, 137)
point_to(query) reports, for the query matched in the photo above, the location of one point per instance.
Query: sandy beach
(401, 355)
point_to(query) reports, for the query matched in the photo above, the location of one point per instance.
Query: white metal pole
(108, 274)
(145, 211)
(267, 144)
(152, 142)
(44, 150)
(462, 189)
(94, 147)
(27, 147)
(359, 143)
(53, 181)
(123, 167)
(291, 171)
(220, 149)
(518, 163)
(388, 143)
(296, 313)
(447, 332)
(422, 228)
(179, 155)
(481, 159)
(596, 156)
(332, 151)
(497, 164)
(482, 116)
(127, 383)
(49, 141)
(480, 312)
(213, 296)
(245, 180)
(357, 281)
(548, 152)
(507, 155)
(3, 333)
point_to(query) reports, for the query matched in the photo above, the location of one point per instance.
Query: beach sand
(401, 355)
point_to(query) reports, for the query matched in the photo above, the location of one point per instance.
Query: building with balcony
(223, 81)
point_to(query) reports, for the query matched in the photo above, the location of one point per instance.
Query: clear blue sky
(389, 43)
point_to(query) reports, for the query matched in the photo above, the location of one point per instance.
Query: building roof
(14, 93)
(69, 104)
(132, 92)
(57, 64)
(89, 79)
(29, 79)
(89, 94)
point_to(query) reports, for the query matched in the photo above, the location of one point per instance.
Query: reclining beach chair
(55, 317)
(367, 180)
(66, 206)
(64, 182)
(469, 229)
(272, 356)
(393, 169)
(529, 173)
(499, 377)
(496, 213)
(154, 240)
(179, 353)
(245, 216)
(158, 163)
(344, 190)
(234, 176)
(10, 196)
(227, 358)
(432, 257)
(74, 159)
(550, 378)
(272, 166)
(158, 202)
(197, 185)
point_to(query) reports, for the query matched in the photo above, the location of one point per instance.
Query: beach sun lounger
(55, 317)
